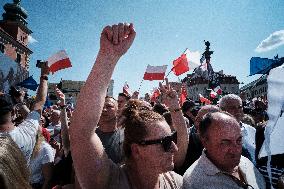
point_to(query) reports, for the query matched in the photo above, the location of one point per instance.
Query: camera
(40, 63)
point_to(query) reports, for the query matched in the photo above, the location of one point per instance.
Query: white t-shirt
(45, 155)
(25, 134)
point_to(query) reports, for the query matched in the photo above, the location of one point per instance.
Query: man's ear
(136, 151)
(204, 140)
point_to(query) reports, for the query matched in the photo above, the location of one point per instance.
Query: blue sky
(164, 30)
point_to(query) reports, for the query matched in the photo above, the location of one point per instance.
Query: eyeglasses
(165, 141)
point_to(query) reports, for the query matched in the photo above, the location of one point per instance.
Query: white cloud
(31, 39)
(274, 40)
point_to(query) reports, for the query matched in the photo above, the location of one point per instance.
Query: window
(18, 59)
(2, 48)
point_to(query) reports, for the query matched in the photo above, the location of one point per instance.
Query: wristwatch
(44, 77)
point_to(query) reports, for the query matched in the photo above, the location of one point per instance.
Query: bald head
(221, 137)
(233, 104)
(212, 119)
(204, 110)
(225, 100)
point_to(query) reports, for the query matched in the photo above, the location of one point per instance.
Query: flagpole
(140, 85)
(184, 51)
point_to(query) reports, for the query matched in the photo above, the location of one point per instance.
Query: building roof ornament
(14, 12)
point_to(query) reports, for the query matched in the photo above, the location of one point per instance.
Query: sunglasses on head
(165, 141)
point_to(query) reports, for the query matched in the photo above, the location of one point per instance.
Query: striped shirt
(276, 172)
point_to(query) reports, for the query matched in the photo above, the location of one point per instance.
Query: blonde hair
(14, 172)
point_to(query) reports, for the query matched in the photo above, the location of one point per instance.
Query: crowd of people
(128, 143)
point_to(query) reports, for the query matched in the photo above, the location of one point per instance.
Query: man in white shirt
(221, 164)
(25, 133)
(232, 104)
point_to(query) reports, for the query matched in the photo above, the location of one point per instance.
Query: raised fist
(117, 39)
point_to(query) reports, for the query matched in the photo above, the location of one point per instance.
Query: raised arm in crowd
(178, 122)
(64, 122)
(90, 161)
(149, 142)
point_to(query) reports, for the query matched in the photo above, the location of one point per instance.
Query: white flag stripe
(193, 58)
(57, 57)
(156, 69)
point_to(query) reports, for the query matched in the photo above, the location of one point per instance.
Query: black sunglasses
(165, 141)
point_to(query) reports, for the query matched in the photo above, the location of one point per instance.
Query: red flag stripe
(183, 96)
(180, 65)
(61, 64)
(154, 76)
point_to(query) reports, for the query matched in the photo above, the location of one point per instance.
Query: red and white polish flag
(213, 94)
(58, 61)
(218, 90)
(187, 61)
(155, 72)
(126, 89)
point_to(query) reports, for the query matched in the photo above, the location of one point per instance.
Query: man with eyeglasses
(232, 104)
(221, 164)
